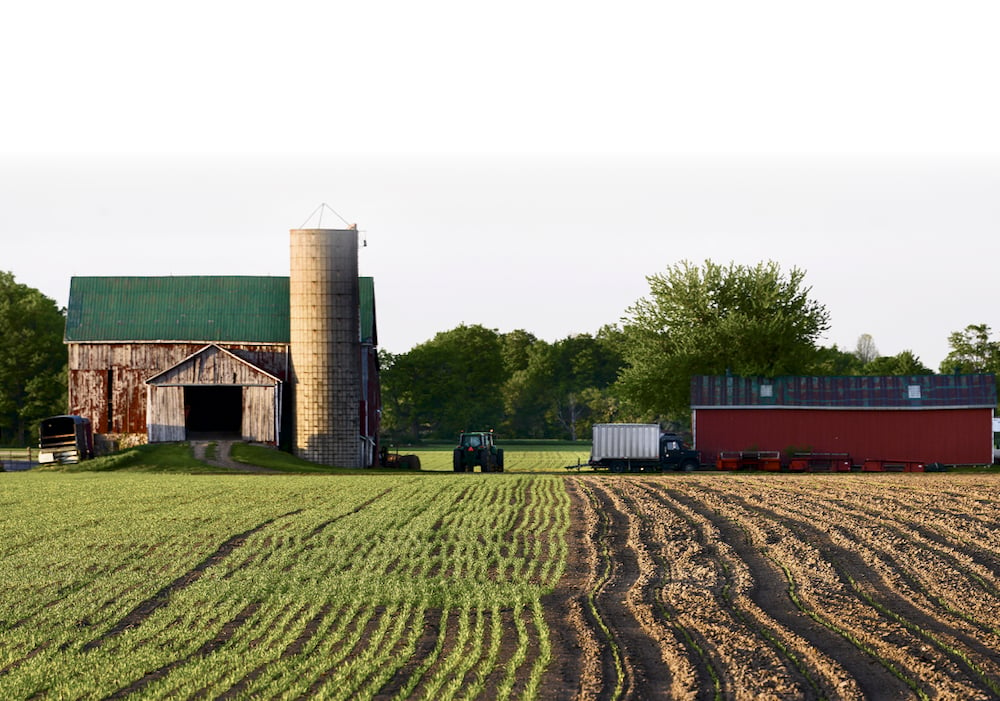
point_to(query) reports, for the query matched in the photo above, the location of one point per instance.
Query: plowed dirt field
(779, 586)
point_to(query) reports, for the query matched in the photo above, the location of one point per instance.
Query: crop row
(237, 587)
(763, 586)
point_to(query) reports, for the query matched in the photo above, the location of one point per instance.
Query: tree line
(33, 361)
(696, 320)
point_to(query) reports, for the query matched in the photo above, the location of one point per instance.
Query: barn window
(766, 391)
(914, 391)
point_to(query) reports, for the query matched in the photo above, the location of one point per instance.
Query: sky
(516, 165)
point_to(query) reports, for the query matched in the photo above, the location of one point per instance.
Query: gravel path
(223, 457)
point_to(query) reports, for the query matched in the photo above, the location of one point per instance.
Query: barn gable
(213, 388)
(213, 365)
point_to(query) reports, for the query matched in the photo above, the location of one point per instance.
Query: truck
(477, 448)
(639, 448)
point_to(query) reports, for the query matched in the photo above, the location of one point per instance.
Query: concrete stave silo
(325, 337)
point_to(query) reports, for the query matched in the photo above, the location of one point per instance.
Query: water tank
(325, 345)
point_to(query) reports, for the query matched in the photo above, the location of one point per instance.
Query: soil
(803, 587)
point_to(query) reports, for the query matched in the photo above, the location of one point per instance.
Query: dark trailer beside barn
(925, 418)
(65, 439)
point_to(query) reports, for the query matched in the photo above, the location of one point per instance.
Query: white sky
(519, 165)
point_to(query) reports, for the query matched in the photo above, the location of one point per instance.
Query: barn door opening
(212, 411)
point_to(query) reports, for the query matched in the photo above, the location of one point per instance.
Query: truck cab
(676, 455)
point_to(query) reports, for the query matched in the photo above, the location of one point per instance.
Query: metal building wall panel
(951, 436)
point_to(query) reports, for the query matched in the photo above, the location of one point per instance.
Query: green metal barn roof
(232, 308)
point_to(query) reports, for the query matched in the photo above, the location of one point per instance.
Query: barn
(921, 418)
(186, 357)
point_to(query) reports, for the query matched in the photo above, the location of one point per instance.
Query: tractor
(477, 448)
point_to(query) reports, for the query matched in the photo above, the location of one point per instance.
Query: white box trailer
(625, 442)
(639, 448)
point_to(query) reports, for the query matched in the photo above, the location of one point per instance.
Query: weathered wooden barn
(925, 418)
(174, 358)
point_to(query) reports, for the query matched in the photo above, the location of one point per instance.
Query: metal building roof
(849, 392)
(228, 308)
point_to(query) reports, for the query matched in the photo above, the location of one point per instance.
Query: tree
(445, 385)
(582, 365)
(527, 394)
(904, 363)
(866, 351)
(834, 361)
(560, 385)
(32, 360)
(972, 351)
(714, 319)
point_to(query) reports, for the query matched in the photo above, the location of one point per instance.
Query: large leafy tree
(583, 366)
(32, 360)
(903, 363)
(712, 319)
(450, 383)
(834, 361)
(562, 387)
(972, 351)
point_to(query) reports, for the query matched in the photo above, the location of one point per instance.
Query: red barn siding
(951, 436)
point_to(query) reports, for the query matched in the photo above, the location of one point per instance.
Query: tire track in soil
(424, 648)
(240, 687)
(225, 633)
(770, 593)
(146, 608)
(642, 672)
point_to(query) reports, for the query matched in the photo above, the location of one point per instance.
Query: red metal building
(925, 418)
